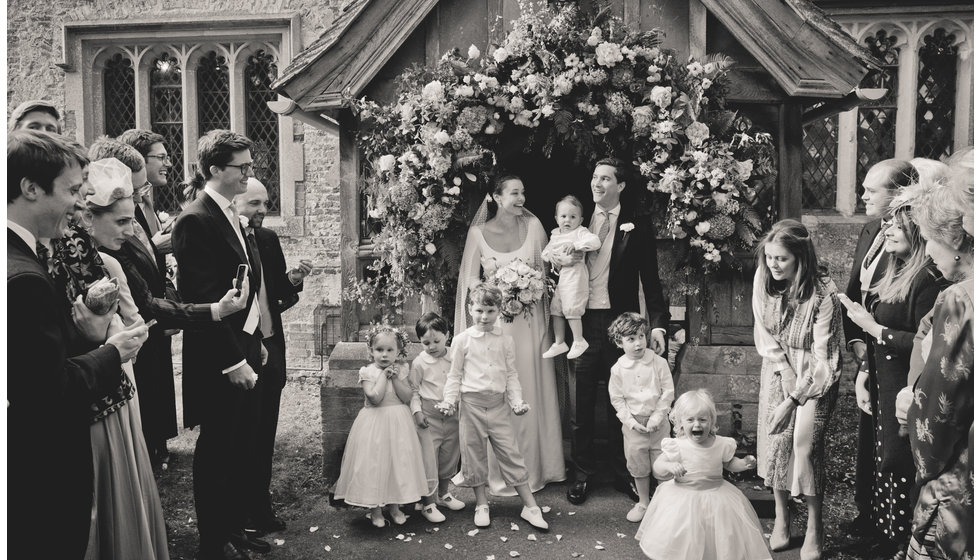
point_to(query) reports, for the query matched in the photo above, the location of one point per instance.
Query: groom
(627, 256)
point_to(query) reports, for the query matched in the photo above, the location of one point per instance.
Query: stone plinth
(730, 374)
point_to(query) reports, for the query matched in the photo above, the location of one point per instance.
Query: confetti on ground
(571, 513)
(558, 537)
(435, 529)
(575, 555)
(598, 542)
(400, 537)
(473, 533)
(314, 529)
(621, 535)
(279, 542)
(336, 536)
(491, 557)
(448, 546)
(514, 554)
(326, 547)
(600, 547)
(545, 509)
(532, 537)
(514, 527)
(503, 539)
(408, 539)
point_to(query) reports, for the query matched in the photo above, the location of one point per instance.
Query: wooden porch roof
(806, 52)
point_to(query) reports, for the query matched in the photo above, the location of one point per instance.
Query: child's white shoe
(451, 502)
(636, 514)
(378, 519)
(578, 348)
(557, 349)
(397, 517)
(482, 516)
(432, 513)
(533, 516)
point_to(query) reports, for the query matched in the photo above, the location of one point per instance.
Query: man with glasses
(151, 146)
(222, 361)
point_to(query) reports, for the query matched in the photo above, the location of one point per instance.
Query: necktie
(603, 233)
(875, 248)
(42, 255)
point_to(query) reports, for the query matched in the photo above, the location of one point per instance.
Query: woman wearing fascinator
(504, 231)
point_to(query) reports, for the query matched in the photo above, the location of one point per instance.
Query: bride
(503, 230)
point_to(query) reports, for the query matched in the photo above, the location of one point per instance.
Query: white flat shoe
(451, 502)
(555, 350)
(397, 517)
(481, 518)
(432, 513)
(533, 516)
(578, 348)
(636, 514)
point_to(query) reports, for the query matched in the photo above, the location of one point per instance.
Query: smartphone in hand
(240, 278)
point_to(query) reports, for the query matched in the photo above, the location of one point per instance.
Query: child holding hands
(641, 390)
(572, 292)
(483, 379)
(697, 514)
(438, 434)
(382, 464)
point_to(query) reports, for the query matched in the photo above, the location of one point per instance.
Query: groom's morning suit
(871, 238)
(208, 249)
(281, 295)
(53, 375)
(625, 259)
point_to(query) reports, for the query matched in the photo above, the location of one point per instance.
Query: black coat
(53, 375)
(634, 258)
(281, 292)
(865, 239)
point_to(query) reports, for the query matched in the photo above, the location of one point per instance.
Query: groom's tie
(875, 248)
(603, 233)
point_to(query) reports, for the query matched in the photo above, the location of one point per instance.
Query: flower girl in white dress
(697, 514)
(382, 464)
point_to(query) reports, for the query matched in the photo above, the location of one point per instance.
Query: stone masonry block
(744, 387)
(717, 385)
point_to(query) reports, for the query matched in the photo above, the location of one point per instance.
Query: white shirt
(483, 362)
(428, 378)
(599, 267)
(22, 232)
(640, 387)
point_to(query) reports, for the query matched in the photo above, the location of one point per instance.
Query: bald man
(278, 293)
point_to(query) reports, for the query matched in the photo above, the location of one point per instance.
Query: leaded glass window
(261, 124)
(876, 120)
(119, 89)
(820, 164)
(166, 118)
(213, 106)
(936, 95)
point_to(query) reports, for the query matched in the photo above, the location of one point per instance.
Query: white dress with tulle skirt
(701, 516)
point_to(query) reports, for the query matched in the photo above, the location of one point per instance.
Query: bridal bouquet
(521, 285)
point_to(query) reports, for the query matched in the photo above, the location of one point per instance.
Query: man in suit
(49, 391)
(627, 256)
(221, 361)
(279, 294)
(151, 146)
(880, 185)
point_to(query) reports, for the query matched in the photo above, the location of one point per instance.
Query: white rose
(430, 248)
(500, 55)
(386, 163)
(702, 228)
(661, 96)
(697, 133)
(454, 191)
(473, 52)
(464, 91)
(433, 91)
(441, 137)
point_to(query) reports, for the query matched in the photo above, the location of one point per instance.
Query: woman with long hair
(896, 303)
(502, 231)
(797, 333)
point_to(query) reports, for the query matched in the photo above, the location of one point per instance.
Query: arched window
(876, 120)
(261, 124)
(166, 118)
(936, 95)
(213, 106)
(119, 89)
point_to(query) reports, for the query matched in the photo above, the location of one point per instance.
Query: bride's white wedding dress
(539, 431)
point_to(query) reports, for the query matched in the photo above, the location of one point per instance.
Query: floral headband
(111, 179)
(403, 339)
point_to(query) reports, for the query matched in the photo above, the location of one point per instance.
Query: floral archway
(562, 78)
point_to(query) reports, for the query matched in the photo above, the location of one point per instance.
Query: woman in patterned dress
(940, 404)
(798, 331)
(889, 318)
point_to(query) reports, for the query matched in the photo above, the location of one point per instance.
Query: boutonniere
(244, 221)
(627, 227)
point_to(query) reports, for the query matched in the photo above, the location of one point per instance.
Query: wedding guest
(641, 390)
(127, 518)
(797, 333)
(895, 304)
(940, 405)
(153, 148)
(155, 299)
(439, 434)
(572, 291)
(278, 292)
(502, 232)
(57, 367)
(880, 185)
(627, 256)
(483, 379)
(35, 114)
(382, 465)
(696, 514)
(221, 359)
